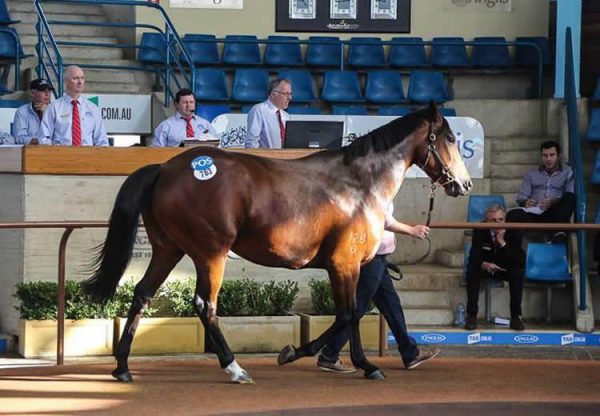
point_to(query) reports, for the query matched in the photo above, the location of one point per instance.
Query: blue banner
(502, 338)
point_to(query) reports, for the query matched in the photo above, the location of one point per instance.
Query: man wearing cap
(72, 120)
(28, 117)
(184, 124)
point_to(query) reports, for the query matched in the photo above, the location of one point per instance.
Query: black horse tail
(114, 255)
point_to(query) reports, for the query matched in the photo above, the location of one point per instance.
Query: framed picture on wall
(384, 9)
(342, 9)
(302, 9)
(343, 16)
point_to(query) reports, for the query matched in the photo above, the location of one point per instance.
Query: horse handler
(376, 284)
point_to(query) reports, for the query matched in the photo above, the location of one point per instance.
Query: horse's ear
(434, 114)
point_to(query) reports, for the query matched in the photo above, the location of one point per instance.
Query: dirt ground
(197, 386)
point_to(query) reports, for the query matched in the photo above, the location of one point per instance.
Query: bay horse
(325, 210)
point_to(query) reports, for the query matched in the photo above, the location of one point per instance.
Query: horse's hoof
(375, 375)
(287, 355)
(122, 376)
(242, 378)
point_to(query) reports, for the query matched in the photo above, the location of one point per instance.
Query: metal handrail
(576, 163)
(69, 226)
(170, 35)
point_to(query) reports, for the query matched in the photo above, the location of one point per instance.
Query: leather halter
(432, 150)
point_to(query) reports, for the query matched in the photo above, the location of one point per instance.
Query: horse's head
(438, 155)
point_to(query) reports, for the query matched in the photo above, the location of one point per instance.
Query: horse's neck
(382, 173)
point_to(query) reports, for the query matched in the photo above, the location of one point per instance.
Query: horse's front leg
(208, 284)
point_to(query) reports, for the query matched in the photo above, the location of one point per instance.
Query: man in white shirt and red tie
(72, 120)
(184, 124)
(266, 120)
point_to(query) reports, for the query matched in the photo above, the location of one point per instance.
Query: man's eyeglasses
(287, 94)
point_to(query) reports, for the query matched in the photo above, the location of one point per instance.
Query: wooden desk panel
(55, 160)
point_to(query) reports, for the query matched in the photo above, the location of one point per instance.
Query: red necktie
(76, 126)
(189, 130)
(281, 127)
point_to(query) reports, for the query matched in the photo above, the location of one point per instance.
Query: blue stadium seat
(592, 133)
(5, 19)
(527, 55)
(211, 85)
(449, 112)
(250, 85)
(3, 89)
(202, 49)
(596, 220)
(341, 86)
(393, 111)
(485, 54)
(296, 109)
(349, 110)
(246, 108)
(595, 178)
(547, 264)
(302, 84)
(241, 53)
(596, 95)
(409, 53)
(153, 48)
(384, 87)
(425, 86)
(478, 204)
(365, 52)
(320, 54)
(12, 103)
(449, 52)
(283, 54)
(210, 111)
(8, 44)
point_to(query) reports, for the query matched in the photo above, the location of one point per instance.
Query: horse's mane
(385, 137)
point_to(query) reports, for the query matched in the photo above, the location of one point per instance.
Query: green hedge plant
(321, 297)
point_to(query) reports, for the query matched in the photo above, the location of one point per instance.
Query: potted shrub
(313, 325)
(255, 316)
(175, 329)
(88, 327)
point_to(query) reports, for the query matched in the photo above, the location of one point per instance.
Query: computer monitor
(307, 134)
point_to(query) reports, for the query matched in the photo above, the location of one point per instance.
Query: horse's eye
(451, 138)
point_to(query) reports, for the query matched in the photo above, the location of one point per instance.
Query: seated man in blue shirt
(28, 117)
(547, 193)
(184, 124)
(73, 120)
(266, 120)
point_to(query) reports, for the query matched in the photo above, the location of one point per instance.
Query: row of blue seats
(382, 86)
(363, 52)
(210, 111)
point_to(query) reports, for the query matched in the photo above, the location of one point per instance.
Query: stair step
(501, 186)
(500, 144)
(32, 18)
(31, 40)
(63, 30)
(435, 299)
(427, 277)
(70, 52)
(512, 171)
(450, 258)
(111, 87)
(428, 316)
(522, 157)
(99, 76)
(54, 8)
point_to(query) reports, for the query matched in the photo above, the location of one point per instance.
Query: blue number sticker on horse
(204, 168)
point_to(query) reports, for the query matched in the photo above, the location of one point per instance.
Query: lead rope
(395, 268)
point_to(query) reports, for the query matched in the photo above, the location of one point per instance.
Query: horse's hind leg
(164, 259)
(208, 283)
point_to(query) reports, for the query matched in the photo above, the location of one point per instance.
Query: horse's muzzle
(457, 188)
